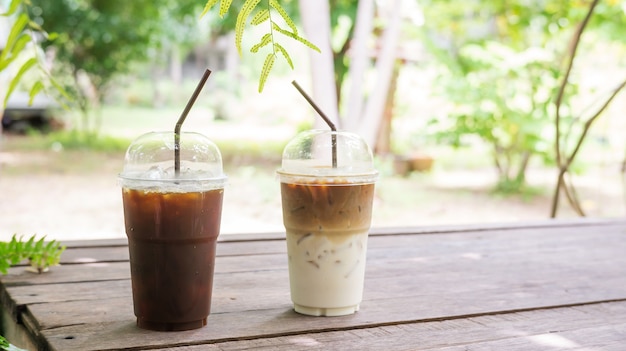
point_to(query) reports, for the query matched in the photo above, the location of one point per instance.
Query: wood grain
(598, 327)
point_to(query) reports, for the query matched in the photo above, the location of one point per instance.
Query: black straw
(325, 118)
(182, 117)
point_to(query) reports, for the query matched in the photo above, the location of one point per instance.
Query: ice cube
(169, 171)
(156, 172)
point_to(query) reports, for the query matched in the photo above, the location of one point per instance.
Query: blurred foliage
(501, 66)
(342, 21)
(99, 40)
(23, 56)
(105, 37)
(75, 140)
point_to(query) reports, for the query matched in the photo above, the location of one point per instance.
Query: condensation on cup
(327, 215)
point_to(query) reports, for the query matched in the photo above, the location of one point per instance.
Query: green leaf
(207, 7)
(260, 17)
(296, 37)
(267, 38)
(3, 342)
(34, 26)
(282, 50)
(14, 82)
(281, 11)
(20, 44)
(224, 6)
(16, 30)
(29, 244)
(15, 4)
(34, 90)
(7, 62)
(246, 10)
(267, 67)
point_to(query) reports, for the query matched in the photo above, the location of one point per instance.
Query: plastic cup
(327, 215)
(172, 223)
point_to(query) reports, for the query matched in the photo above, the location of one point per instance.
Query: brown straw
(325, 118)
(181, 119)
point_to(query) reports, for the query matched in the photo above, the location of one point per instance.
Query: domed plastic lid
(309, 157)
(149, 163)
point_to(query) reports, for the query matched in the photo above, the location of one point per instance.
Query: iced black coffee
(172, 224)
(172, 239)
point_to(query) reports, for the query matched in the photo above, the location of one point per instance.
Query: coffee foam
(159, 179)
(327, 179)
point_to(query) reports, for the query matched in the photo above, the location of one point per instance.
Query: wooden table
(539, 286)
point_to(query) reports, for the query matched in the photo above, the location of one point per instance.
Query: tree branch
(559, 100)
(570, 63)
(572, 196)
(590, 121)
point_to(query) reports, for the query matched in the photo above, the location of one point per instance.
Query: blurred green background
(465, 132)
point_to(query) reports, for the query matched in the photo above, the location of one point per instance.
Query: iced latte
(327, 227)
(327, 215)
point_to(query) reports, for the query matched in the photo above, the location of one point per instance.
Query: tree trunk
(383, 142)
(316, 24)
(373, 113)
(359, 62)
(176, 66)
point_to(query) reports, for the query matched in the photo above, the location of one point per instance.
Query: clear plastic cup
(327, 216)
(172, 223)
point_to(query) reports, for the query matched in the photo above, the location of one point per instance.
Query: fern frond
(267, 38)
(282, 50)
(224, 6)
(267, 67)
(207, 7)
(260, 17)
(295, 37)
(281, 11)
(247, 8)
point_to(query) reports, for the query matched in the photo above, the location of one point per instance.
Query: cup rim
(331, 179)
(217, 179)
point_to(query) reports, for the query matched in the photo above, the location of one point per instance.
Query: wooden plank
(381, 231)
(114, 251)
(120, 253)
(248, 325)
(234, 299)
(404, 242)
(590, 327)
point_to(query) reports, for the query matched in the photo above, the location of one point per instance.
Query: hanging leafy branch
(20, 36)
(266, 11)
(39, 253)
